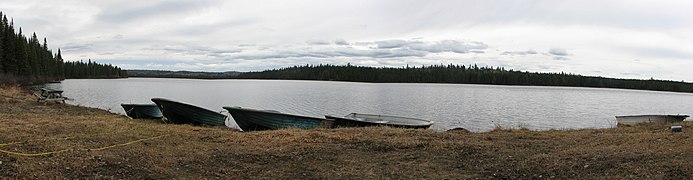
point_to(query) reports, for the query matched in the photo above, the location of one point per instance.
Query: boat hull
(637, 119)
(142, 111)
(182, 113)
(253, 120)
(365, 120)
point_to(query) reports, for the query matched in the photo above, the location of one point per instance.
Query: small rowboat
(182, 113)
(363, 120)
(252, 119)
(142, 111)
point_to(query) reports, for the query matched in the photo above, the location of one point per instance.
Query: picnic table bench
(50, 95)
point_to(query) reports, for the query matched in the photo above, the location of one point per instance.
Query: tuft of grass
(13, 95)
(648, 151)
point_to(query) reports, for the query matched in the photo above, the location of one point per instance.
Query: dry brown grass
(187, 152)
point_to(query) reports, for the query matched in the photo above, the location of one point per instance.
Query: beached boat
(142, 111)
(362, 120)
(182, 113)
(252, 119)
(636, 119)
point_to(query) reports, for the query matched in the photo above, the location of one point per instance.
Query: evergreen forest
(89, 69)
(27, 60)
(471, 74)
(182, 74)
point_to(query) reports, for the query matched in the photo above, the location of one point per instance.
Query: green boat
(363, 120)
(253, 120)
(142, 111)
(182, 113)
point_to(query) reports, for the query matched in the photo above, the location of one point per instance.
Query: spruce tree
(22, 55)
(61, 65)
(33, 56)
(46, 59)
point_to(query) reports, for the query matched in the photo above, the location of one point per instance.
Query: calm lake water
(473, 107)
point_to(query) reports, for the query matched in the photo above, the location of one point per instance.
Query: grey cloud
(432, 47)
(558, 52)
(318, 42)
(214, 27)
(382, 49)
(389, 44)
(520, 53)
(346, 52)
(113, 14)
(199, 50)
(77, 47)
(378, 53)
(447, 46)
(222, 53)
(341, 42)
(118, 36)
(561, 58)
(275, 55)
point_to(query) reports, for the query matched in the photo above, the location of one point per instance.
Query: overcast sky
(627, 39)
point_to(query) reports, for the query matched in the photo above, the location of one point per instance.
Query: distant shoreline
(451, 74)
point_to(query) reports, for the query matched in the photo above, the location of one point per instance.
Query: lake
(473, 107)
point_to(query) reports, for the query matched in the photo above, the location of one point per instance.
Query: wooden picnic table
(50, 95)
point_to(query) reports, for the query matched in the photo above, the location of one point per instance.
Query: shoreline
(96, 143)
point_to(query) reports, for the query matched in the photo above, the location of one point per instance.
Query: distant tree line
(182, 74)
(25, 60)
(89, 69)
(471, 74)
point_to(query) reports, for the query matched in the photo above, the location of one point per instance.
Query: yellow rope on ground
(84, 149)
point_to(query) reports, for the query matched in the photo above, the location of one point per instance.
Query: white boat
(637, 119)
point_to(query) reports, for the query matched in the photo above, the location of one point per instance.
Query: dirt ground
(57, 140)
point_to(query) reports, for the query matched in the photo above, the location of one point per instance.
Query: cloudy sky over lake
(627, 39)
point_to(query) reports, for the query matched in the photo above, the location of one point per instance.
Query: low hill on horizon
(455, 74)
(182, 74)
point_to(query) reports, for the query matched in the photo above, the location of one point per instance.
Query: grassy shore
(56, 140)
